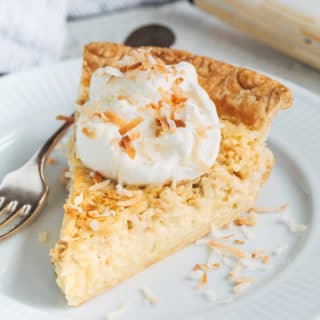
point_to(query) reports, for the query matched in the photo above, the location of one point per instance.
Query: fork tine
(7, 212)
(21, 215)
(2, 200)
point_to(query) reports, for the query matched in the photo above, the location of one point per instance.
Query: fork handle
(41, 155)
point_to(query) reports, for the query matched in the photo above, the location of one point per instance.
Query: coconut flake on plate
(281, 250)
(116, 313)
(123, 191)
(293, 225)
(149, 296)
(236, 270)
(43, 237)
(99, 186)
(239, 288)
(269, 210)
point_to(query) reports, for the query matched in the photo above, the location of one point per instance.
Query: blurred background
(280, 37)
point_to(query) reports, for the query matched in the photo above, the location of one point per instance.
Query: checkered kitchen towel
(32, 32)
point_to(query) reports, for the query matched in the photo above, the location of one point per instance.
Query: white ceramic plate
(289, 289)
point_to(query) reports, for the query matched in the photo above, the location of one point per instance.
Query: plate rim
(73, 63)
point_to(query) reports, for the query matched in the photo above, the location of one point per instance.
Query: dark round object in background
(151, 35)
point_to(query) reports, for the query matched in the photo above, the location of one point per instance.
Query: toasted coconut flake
(43, 237)
(129, 202)
(90, 133)
(179, 123)
(131, 67)
(227, 248)
(203, 280)
(161, 125)
(52, 161)
(265, 260)
(115, 119)
(241, 280)
(178, 81)
(128, 193)
(69, 119)
(130, 125)
(239, 241)
(175, 99)
(236, 270)
(241, 287)
(65, 177)
(249, 220)
(100, 114)
(216, 265)
(125, 143)
(78, 199)
(67, 174)
(99, 186)
(96, 176)
(117, 312)
(74, 209)
(123, 191)
(164, 96)
(201, 266)
(257, 254)
(149, 296)
(228, 236)
(178, 95)
(155, 107)
(293, 225)
(269, 210)
(125, 98)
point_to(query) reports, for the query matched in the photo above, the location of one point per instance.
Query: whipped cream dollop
(147, 123)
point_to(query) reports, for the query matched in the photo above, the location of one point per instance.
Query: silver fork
(23, 191)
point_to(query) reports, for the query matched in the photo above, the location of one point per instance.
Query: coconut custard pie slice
(165, 144)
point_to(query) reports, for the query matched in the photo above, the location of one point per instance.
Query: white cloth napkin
(32, 32)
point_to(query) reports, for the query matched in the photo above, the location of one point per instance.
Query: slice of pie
(114, 229)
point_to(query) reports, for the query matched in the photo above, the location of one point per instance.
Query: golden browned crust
(241, 95)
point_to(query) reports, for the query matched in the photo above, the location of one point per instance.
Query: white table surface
(195, 31)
